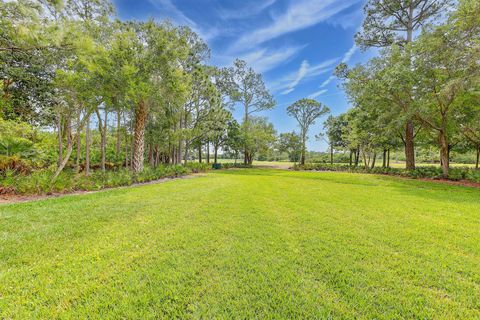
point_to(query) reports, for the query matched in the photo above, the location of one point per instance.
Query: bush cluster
(459, 173)
(40, 182)
(236, 165)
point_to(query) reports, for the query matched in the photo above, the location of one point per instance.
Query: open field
(243, 244)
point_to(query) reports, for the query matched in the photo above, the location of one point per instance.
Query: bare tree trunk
(215, 145)
(157, 156)
(185, 156)
(445, 162)
(64, 160)
(79, 146)
(200, 153)
(409, 145)
(141, 113)
(331, 154)
(388, 158)
(478, 157)
(302, 157)
(126, 143)
(351, 157)
(60, 140)
(384, 158)
(208, 151)
(103, 133)
(69, 147)
(118, 145)
(374, 159)
(87, 147)
(68, 131)
(150, 155)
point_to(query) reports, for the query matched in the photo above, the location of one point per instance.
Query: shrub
(15, 164)
(40, 182)
(418, 173)
(236, 165)
(196, 167)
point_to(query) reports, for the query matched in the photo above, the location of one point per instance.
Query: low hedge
(236, 165)
(40, 182)
(457, 173)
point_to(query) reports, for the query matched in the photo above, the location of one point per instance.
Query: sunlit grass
(246, 244)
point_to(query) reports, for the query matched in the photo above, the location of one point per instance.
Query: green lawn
(243, 244)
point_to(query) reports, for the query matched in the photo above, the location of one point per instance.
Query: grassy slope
(246, 243)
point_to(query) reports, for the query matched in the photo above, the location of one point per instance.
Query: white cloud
(300, 15)
(317, 94)
(327, 82)
(306, 71)
(348, 55)
(263, 59)
(302, 71)
(247, 11)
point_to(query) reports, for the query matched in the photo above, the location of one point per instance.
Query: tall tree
(249, 90)
(306, 112)
(389, 22)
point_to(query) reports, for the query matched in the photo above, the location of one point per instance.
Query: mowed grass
(243, 244)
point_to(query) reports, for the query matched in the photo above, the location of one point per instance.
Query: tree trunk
(208, 152)
(60, 140)
(150, 155)
(216, 153)
(64, 160)
(87, 147)
(118, 144)
(331, 154)
(445, 162)
(302, 157)
(185, 154)
(478, 157)
(384, 158)
(357, 157)
(139, 136)
(200, 153)
(79, 146)
(365, 163)
(157, 156)
(409, 146)
(351, 156)
(103, 132)
(388, 158)
(374, 160)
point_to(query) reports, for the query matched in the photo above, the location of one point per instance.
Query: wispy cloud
(289, 82)
(327, 82)
(302, 71)
(263, 60)
(247, 11)
(317, 94)
(345, 59)
(350, 20)
(169, 11)
(348, 55)
(299, 15)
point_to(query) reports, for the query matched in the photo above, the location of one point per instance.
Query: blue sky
(295, 44)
